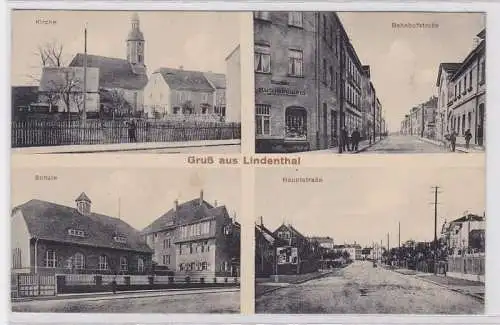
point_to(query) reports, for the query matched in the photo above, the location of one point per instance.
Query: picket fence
(467, 264)
(36, 133)
(32, 285)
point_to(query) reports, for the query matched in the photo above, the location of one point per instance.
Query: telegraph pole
(399, 235)
(436, 188)
(84, 112)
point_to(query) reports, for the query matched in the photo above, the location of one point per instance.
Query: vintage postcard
(394, 239)
(115, 81)
(369, 82)
(125, 240)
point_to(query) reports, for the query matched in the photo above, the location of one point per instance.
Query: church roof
(83, 197)
(113, 72)
(187, 212)
(218, 80)
(51, 221)
(179, 79)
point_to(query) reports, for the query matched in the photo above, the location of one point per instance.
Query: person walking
(355, 137)
(131, 131)
(113, 284)
(468, 137)
(343, 139)
(453, 140)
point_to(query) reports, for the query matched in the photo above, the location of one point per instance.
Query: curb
(367, 147)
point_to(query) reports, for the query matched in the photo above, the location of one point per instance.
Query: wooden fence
(466, 264)
(36, 133)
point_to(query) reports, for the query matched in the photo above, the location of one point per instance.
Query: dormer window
(75, 232)
(120, 239)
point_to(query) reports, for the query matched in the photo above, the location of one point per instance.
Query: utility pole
(423, 126)
(436, 188)
(399, 235)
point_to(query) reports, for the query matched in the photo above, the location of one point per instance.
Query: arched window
(50, 259)
(296, 123)
(79, 261)
(140, 265)
(123, 263)
(103, 263)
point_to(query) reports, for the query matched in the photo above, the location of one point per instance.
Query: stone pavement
(121, 147)
(363, 145)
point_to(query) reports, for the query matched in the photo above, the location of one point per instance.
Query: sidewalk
(114, 147)
(466, 287)
(460, 147)
(363, 145)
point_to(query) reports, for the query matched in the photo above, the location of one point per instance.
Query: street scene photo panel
(369, 82)
(125, 240)
(370, 240)
(114, 81)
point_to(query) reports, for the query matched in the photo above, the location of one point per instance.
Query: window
(470, 80)
(123, 264)
(296, 123)
(120, 239)
(262, 119)
(78, 233)
(78, 261)
(166, 243)
(262, 15)
(204, 266)
(190, 248)
(483, 71)
(465, 85)
(295, 19)
(16, 258)
(262, 59)
(331, 78)
(205, 228)
(140, 265)
(295, 63)
(324, 71)
(180, 249)
(166, 259)
(50, 259)
(103, 263)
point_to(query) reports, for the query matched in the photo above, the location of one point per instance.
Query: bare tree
(51, 54)
(118, 101)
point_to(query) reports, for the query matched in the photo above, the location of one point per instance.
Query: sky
(363, 204)
(404, 62)
(144, 194)
(194, 40)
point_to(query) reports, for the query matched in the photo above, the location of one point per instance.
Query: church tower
(135, 46)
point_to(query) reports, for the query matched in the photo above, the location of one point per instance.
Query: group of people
(453, 139)
(350, 143)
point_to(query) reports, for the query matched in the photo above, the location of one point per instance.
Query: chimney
(176, 205)
(261, 221)
(215, 203)
(201, 197)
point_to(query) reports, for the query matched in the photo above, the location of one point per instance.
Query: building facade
(459, 234)
(50, 238)
(265, 251)
(196, 238)
(445, 72)
(467, 94)
(306, 73)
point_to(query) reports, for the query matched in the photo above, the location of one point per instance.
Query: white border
(493, 174)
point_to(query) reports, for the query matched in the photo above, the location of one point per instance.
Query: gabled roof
(469, 217)
(113, 72)
(83, 197)
(179, 79)
(266, 233)
(51, 221)
(217, 80)
(58, 78)
(187, 212)
(449, 67)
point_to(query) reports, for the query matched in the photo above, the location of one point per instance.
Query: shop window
(296, 123)
(262, 59)
(295, 63)
(262, 119)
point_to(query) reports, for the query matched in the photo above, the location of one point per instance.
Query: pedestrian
(113, 284)
(343, 139)
(131, 131)
(356, 137)
(468, 137)
(453, 140)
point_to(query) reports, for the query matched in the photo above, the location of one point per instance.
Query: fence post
(18, 285)
(39, 285)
